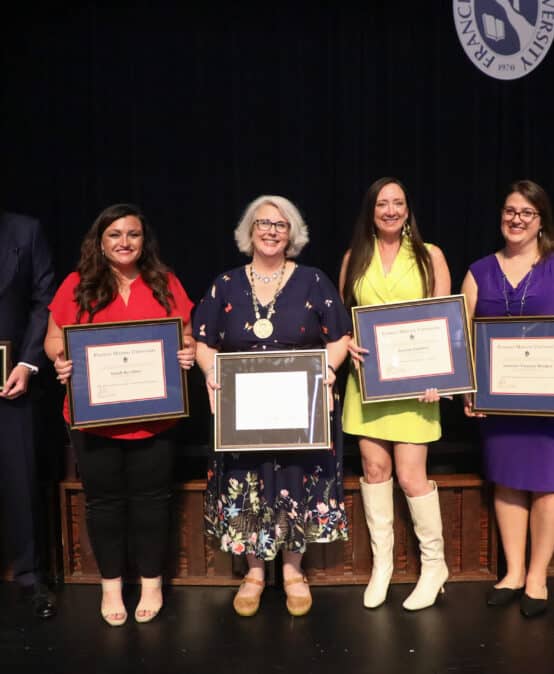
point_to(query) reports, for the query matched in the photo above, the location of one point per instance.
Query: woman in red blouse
(126, 470)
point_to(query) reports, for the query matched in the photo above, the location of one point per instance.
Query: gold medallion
(263, 328)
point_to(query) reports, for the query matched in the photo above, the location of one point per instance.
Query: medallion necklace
(263, 327)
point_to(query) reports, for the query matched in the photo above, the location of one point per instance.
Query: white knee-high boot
(379, 514)
(426, 516)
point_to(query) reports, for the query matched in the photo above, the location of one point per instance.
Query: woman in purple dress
(518, 280)
(260, 503)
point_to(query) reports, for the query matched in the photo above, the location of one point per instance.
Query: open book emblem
(494, 28)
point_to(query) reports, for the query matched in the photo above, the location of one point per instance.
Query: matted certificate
(413, 349)
(414, 346)
(5, 362)
(285, 403)
(271, 400)
(514, 357)
(125, 372)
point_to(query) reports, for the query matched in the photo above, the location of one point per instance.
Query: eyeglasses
(526, 215)
(265, 225)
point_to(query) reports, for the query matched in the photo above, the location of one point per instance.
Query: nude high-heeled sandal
(112, 608)
(151, 599)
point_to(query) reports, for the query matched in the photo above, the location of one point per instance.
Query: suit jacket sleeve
(41, 292)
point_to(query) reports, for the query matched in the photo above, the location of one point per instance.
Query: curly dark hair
(362, 245)
(98, 285)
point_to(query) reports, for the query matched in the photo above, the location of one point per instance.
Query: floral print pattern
(248, 521)
(259, 503)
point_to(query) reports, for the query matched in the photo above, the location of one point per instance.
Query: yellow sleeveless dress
(398, 420)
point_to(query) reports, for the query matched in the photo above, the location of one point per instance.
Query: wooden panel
(469, 529)
(451, 506)
(470, 539)
(359, 545)
(469, 532)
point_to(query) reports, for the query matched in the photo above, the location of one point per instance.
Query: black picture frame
(272, 380)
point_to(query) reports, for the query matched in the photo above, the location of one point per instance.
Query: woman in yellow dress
(388, 262)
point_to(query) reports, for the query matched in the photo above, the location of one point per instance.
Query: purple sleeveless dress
(518, 450)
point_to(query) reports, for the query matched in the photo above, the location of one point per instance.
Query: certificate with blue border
(413, 346)
(271, 401)
(125, 372)
(514, 360)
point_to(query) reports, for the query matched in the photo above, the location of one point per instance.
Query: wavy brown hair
(365, 232)
(537, 196)
(98, 284)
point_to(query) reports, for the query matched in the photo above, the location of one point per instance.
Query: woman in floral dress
(260, 503)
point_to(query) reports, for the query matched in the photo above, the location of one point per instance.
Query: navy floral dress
(257, 503)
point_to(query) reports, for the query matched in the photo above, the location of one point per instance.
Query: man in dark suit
(26, 288)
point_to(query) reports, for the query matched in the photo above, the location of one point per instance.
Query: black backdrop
(193, 111)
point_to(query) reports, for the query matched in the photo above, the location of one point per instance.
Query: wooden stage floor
(198, 632)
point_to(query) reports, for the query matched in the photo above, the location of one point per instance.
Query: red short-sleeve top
(141, 304)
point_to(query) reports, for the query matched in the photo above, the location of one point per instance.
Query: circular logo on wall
(505, 39)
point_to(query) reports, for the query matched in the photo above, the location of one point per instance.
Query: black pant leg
(101, 466)
(149, 466)
(18, 487)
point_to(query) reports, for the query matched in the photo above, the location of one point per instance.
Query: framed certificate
(271, 400)
(5, 362)
(413, 346)
(125, 372)
(514, 360)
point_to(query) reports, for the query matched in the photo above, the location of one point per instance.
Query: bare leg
(512, 516)
(376, 459)
(410, 461)
(542, 544)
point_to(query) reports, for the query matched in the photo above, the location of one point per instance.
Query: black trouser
(127, 487)
(17, 486)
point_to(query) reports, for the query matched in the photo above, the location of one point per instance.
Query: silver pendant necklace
(523, 295)
(263, 327)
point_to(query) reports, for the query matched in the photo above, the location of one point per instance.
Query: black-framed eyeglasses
(526, 215)
(265, 225)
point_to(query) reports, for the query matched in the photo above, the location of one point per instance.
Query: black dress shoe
(40, 601)
(532, 607)
(500, 596)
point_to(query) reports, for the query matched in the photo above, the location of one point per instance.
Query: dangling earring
(103, 253)
(539, 235)
(406, 229)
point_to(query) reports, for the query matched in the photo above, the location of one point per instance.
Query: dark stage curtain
(192, 111)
